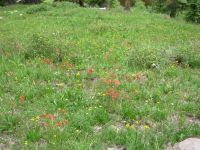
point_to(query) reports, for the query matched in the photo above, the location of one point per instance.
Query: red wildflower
(90, 71)
(65, 122)
(138, 76)
(104, 81)
(127, 96)
(109, 81)
(59, 124)
(62, 111)
(51, 117)
(22, 98)
(113, 93)
(45, 115)
(116, 82)
(45, 124)
(48, 61)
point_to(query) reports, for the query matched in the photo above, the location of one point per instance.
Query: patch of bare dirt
(118, 126)
(193, 120)
(6, 142)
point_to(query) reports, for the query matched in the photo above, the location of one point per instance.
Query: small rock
(154, 65)
(104, 8)
(188, 144)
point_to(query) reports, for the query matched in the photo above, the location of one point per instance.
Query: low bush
(145, 58)
(7, 2)
(32, 1)
(43, 47)
(193, 14)
(37, 8)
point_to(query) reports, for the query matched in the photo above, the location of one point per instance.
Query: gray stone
(188, 144)
(117, 147)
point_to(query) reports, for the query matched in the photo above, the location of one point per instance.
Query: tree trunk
(127, 5)
(81, 3)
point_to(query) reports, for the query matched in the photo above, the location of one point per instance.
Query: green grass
(65, 70)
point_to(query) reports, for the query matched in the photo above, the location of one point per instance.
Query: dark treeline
(171, 7)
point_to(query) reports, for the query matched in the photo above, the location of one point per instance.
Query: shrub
(31, 1)
(113, 3)
(43, 47)
(169, 6)
(187, 55)
(80, 2)
(145, 58)
(7, 2)
(8, 123)
(189, 58)
(193, 14)
(36, 9)
(159, 5)
(66, 1)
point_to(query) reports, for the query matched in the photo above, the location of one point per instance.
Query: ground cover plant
(84, 78)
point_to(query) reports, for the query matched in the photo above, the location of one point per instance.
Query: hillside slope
(83, 78)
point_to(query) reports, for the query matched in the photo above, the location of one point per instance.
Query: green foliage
(193, 14)
(113, 3)
(34, 134)
(44, 47)
(188, 57)
(37, 8)
(32, 1)
(7, 2)
(64, 1)
(99, 116)
(96, 2)
(169, 6)
(8, 123)
(102, 94)
(159, 5)
(144, 58)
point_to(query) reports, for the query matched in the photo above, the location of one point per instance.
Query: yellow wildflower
(38, 117)
(146, 126)
(25, 142)
(137, 122)
(32, 119)
(78, 74)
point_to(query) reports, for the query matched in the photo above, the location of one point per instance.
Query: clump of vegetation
(43, 47)
(172, 7)
(193, 14)
(74, 78)
(32, 1)
(7, 2)
(8, 123)
(188, 57)
(145, 58)
(37, 9)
